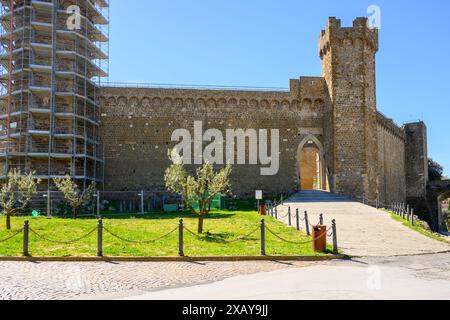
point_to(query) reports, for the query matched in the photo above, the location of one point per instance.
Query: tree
(203, 187)
(16, 193)
(73, 195)
(435, 170)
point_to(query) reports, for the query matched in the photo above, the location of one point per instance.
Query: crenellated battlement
(336, 35)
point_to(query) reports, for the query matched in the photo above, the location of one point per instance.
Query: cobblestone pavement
(366, 231)
(42, 281)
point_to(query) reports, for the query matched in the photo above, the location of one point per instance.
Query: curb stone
(175, 259)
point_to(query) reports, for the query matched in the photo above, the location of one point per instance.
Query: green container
(170, 208)
(216, 203)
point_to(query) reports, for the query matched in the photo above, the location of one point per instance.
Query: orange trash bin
(319, 238)
(262, 210)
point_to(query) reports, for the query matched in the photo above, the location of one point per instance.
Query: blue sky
(267, 42)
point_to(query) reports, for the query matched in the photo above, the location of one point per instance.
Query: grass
(220, 227)
(418, 227)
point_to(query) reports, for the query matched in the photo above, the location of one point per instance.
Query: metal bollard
(335, 243)
(26, 232)
(263, 237)
(289, 216)
(307, 223)
(297, 217)
(180, 239)
(100, 238)
(142, 202)
(321, 219)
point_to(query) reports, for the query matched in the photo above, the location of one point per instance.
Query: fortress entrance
(311, 168)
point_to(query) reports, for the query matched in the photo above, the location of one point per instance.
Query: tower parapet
(334, 33)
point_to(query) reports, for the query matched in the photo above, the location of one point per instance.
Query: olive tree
(203, 187)
(16, 193)
(75, 197)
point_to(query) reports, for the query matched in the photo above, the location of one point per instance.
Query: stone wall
(137, 125)
(363, 152)
(391, 162)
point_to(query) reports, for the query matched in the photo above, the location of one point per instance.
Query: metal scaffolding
(50, 72)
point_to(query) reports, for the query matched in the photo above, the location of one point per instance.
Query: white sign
(259, 195)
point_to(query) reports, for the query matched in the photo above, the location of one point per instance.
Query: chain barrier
(225, 241)
(139, 241)
(283, 216)
(12, 236)
(62, 242)
(192, 233)
(243, 237)
(293, 242)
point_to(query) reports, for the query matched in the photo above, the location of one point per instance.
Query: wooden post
(335, 239)
(412, 216)
(263, 238)
(180, 239)
(98, 204)
(307, 223)
(26, 230)
(276, 213)
(142, 202)
(297, 217)
(289, 218)
(49, 204)
(100, 239)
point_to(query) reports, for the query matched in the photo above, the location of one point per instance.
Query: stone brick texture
(365, 153)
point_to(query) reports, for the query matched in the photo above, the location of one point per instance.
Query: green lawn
(418, 227)
(220, 227)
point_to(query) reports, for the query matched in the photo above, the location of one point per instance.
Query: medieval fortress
(57, 118)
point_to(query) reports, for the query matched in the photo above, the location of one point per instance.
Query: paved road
(366, 231)
(419, 277)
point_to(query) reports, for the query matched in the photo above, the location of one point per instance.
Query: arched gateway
(310, 165)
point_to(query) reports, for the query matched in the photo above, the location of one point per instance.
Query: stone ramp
(318, 196)
(363, 230)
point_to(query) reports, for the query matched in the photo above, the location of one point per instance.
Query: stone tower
(348, 67)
